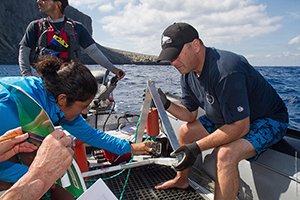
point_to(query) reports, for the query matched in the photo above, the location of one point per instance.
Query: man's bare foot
(173, 183)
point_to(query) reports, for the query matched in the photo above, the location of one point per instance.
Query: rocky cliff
(15, 15)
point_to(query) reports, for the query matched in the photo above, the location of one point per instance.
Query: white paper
(98, 191)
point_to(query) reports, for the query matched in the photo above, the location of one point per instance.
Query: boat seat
(289, 144)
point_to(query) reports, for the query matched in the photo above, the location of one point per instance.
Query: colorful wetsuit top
(229, 89)
(79, 128)
(58, 42)
(33, 32)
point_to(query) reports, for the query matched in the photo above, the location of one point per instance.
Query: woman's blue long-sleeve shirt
(79, 128)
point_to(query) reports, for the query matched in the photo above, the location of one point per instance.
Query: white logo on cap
(166, 40)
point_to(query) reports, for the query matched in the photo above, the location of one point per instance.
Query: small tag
(61, 41)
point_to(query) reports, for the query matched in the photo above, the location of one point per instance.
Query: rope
(115, 175)
(123, 124)
(149, 138)
(125, 184)
(128, 173)
(126, 122)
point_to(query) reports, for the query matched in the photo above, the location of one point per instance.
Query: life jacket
(46, 32)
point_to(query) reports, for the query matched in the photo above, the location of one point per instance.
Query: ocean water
(129, 91)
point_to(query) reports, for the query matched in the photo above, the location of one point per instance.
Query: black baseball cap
(174, 38)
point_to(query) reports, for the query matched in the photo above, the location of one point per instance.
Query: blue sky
(266, 32)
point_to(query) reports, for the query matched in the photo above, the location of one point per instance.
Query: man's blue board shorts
(263, 133)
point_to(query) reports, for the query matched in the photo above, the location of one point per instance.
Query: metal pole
(144, 115)
(163, 116)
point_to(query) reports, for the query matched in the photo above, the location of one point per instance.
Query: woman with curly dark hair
(64, 91)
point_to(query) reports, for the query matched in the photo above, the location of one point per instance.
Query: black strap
(59, 120)
(58, 48)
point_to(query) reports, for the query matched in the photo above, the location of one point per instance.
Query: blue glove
(186, 156)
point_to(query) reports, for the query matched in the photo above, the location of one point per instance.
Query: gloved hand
(166, 102)
(186, 156)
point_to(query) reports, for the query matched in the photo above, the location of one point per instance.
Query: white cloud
(294, 15)
(250, 56)
(218, 21)
(137, 25)
(287, 54)
(87, 3)
(106, 7)
(122, 2)
(268, 56)
(295, 40)
(284, 54)
(275, 59)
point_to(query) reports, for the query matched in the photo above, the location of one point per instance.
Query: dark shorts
(263, 133)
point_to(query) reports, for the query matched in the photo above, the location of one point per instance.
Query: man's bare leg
(227, 181)
(188, 133)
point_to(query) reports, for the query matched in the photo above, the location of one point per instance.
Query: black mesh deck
(141, 184)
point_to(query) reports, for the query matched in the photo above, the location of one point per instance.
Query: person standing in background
(59, 36)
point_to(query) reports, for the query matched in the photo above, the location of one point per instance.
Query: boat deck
(141, 184)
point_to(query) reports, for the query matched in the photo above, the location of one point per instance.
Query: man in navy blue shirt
(243, 113)
(57, 35)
